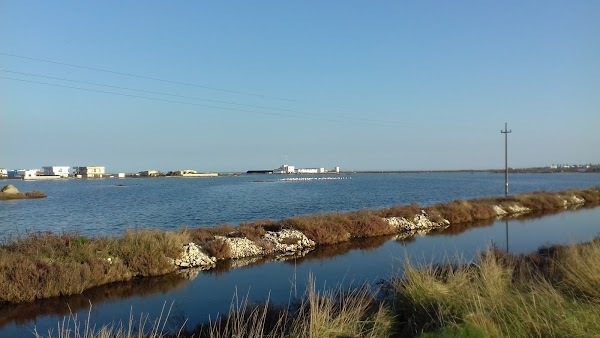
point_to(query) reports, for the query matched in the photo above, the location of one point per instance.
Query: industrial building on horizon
(290, 169)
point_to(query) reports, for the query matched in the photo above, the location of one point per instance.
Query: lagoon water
(102, 207)
(109, 206)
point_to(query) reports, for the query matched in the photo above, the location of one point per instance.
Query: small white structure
(337, 170)
(61, 171)
(121, 175)
(3, 173)
(89, 172)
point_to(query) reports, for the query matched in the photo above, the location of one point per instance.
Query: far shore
(533, 170)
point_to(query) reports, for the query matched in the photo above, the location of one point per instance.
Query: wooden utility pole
(506, 132)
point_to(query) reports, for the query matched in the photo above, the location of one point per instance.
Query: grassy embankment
(42, 265)
(554, 292)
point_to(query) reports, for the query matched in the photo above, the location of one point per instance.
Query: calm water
(101, 207)
(210, 292)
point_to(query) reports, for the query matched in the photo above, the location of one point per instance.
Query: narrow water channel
(200, 295)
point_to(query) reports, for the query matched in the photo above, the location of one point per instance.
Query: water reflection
(330, 251)
(24, 312)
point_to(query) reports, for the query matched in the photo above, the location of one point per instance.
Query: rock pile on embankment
(193, 256)
(418, 222)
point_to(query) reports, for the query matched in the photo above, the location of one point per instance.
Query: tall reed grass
(72, 327)
(554, 294)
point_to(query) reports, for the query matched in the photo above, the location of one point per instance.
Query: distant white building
(290, 169)
(285, 169)
(27, 173)
(149, 173)
(192, 173)
(89, 172)
(3, 172)
(311, 171)
(61, 171)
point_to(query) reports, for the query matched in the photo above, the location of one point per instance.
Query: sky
(240, 85)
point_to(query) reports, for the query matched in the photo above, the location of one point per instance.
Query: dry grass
(42, 265)
(541, 201)
(406, 211)
(366, 223)
(203, 234)
(251, 231)
(455, 212)
(290, 240)
(589, 195)
(336, 313)
(323, 229)
(149, 252)
(217, 248)
(72, 327)
(553, 294)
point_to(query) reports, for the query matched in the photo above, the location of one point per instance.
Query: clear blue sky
(388, 85)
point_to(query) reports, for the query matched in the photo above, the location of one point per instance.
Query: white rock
(517, 209)
(419, 222)
(192, 256)
(499, 211)
(576, 200)
(281, 240)
(241, 247)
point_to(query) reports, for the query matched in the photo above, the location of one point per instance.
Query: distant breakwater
(43, 265)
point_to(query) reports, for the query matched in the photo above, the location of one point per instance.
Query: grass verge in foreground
(43, 265)
(553, 292)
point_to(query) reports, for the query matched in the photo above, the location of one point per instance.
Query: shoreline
(44, 265)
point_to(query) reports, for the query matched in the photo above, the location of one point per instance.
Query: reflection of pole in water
(506, 236)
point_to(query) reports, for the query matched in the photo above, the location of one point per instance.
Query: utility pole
(506, 132)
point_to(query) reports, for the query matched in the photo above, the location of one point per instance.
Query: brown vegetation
(42, 265)
(323, 229)
(217, 248)
(406, 211)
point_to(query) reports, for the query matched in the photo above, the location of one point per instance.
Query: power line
(149, 91)
(185, 97)
(187, 103)
(150, 78)
(366, 121)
